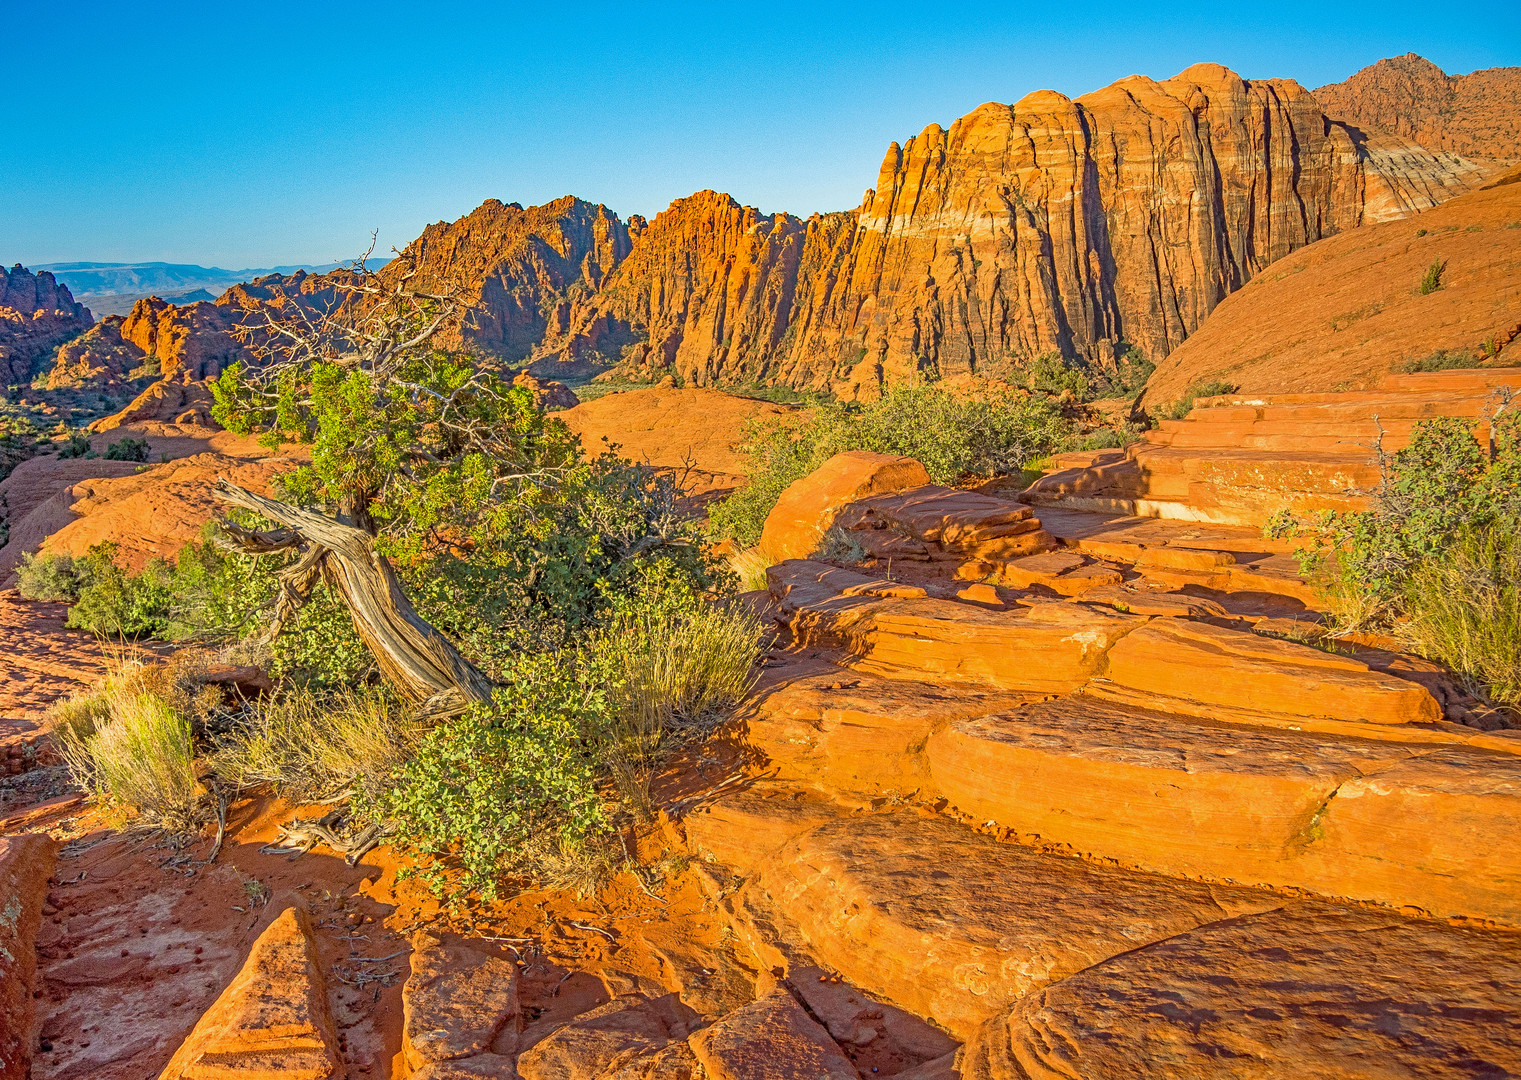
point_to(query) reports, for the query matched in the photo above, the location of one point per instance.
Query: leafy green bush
(54, 578)
(1431, 280)
(116, 603)
(128, 449)
(77, 445)
(484, 792)
(953, 435)
(1050, 373)
(1434, 560)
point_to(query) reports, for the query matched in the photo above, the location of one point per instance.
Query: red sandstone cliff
(1476, 115)
(1121, 218)
(36, 315)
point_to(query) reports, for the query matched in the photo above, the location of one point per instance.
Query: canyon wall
(1087, 227)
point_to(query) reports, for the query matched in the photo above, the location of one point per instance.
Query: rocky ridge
(1477, 115)
(36, 316)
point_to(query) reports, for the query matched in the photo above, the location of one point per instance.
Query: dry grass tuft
(310, 746)
(750, 566)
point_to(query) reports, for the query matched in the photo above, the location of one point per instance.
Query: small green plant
(128, 449)
(1420, 232)
(1440, 360)
(1184, 405)
(130, 745)
(77, 445)
(1050, 373)
(1431, 281)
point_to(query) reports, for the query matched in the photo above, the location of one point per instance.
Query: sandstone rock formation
(519, 270)
(807, 508)
(36, 316)
(26, 862)
(1348, 309)
(1477, 115)
(547, 393)
(1087, 226)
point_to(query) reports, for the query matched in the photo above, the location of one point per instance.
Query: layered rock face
(36, 315)
(1476, 115)
(1087, 226)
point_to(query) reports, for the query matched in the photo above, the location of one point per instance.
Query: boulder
(272, 1021)
(547, 393)
(456, 1002)
(807, 508)
(771, 1039)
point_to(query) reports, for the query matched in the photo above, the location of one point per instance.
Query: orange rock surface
(1476, 115)
(773, 1038)
(1305, 991)
(26, 862)
(271, 1021)
(1345, 311)
(668, 426)
(807, 508)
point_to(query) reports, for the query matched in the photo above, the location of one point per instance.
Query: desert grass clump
(312, 745)
(676, 665)
(1464, 610)
(750, 566)
(130, 744)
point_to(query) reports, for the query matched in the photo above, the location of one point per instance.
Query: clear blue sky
(255, 134)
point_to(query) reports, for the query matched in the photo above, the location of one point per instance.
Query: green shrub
(1431, 280)
(1184, 405)
(1132, 370)
(952, 435)
(1464, 611)
(487, 792)
(1051, 373)
(77, 445)
(1441, 360)
(56, 578)
(128, 449)
(1434, 560)
(116, 603)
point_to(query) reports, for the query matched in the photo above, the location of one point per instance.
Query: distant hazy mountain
(112, 288)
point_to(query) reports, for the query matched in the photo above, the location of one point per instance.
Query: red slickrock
(807, 508)
(26, 863)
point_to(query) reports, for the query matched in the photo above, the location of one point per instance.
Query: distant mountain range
(112, 288)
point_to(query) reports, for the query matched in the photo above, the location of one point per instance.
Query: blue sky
(257, 134)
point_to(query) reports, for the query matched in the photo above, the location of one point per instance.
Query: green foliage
(54, 578)
(128, 449)
(485, 790)
(19, 440)
(1464, 610)
(1050, 373)
(115, 603)
(75, 446)
(1132, 370)
(1434, 560)
(1441, 360)
(952, 435)
(1431, 280)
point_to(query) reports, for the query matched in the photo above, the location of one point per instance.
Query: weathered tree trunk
(414, 657)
